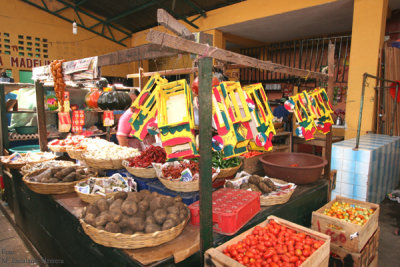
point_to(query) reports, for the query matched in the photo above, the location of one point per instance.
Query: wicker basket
(18, 166)
(182, 186)
(48, 188)
(57, 148)
(90, 198)
(276, 199)
(26, 169)
(75, 153)
(103, 164)
(229, 172)
(139, 240)
(140, 172)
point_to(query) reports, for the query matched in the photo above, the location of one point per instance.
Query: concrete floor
(13, 251)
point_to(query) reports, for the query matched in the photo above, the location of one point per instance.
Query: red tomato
(275, 258)
(306, 252)
(316, 245)
(285, 258)
(298, 252)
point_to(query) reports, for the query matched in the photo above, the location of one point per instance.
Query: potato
(116, 204)
(92, 208)
(121, 195)
(124, 221)
(160, 215)
(116, 215)
(127, 231)
(270, 184)
(154, 194)
(254, 188)
(129, 207)
(134, 196)
(136, 224)
(148, 213)
(178, 199)
(143, 205)
(157, 203)
(90, 218)
(168, 224)
(112, 227)
(44, 174)
(255, 179)
(183, 214)
(140, 214)
(52, 180)
(245, 186)
(144, 192)
(168, 201)
(100, 227)
(179, 205)
(150, 219)
(102, 219)
(173, 210)
(174, 217)
(151, 228)
(229, 184)
(44, 180)
(264, 188)
(102, 204)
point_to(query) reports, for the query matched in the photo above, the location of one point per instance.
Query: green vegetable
(218, 161)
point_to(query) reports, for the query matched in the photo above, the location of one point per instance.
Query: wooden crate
(320, 258)
(253, 165)
(348, 235)
(342, 257)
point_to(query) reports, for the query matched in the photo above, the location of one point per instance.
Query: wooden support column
(4, 144)
(41, 116)
(205, 114)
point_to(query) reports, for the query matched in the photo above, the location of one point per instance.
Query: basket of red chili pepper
(181, 176)
(141, 166)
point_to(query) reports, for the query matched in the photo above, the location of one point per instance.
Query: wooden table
(51, 223)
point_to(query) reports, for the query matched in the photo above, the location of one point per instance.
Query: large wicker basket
(140, 172)
(229, 172)
(27, 168)
(276, 199)
(75, 153)
(182, 186)
(103, 164)
(57, 148)
(138, 240)
(18, 166)
(48, 188)
(90, 198)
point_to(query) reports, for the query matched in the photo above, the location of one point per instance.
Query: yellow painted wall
(369, 20)
(19, 18)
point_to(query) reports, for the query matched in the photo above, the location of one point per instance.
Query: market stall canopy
(118, 21)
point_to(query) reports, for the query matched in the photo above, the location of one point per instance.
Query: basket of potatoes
(273, 191)
(56, 180)
(135, 219)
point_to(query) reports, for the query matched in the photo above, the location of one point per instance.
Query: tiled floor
(13, 251)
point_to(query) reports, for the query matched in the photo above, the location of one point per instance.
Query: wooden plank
(331, 70)
(169, 22)
(340, 231)
(143, 52)
(205, 114)
(41, 116)
(165, 39)
(328, 152)
(318, 258)
(164, 72)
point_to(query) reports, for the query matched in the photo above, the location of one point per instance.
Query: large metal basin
(298, 168)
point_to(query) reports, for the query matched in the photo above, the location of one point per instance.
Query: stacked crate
(351, 244)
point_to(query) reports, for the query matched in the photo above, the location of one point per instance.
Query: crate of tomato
(274, 242)
(350, 223)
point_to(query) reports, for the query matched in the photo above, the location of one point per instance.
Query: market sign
(21, 62)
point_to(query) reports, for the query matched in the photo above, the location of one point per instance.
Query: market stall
(127, 227)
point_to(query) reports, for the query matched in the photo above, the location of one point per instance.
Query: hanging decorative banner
(64, 122)
(78, 117)
(108, 118)
(323, 110)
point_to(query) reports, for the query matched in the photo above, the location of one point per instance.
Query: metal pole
(361, 108)
(394, 108)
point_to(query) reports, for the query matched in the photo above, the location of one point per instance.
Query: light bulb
(74, 28)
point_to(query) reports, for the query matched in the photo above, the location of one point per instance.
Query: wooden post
(205, 114)
(331, 84)
(41, 116)
(4, 143)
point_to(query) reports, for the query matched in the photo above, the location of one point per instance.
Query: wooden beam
(41, 116)
(143, 52)
(331, 70)
(164, 72)
(169, 22)
(178, 43)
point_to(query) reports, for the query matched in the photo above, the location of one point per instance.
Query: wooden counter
(51, 224)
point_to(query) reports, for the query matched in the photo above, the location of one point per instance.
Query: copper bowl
(298, 168)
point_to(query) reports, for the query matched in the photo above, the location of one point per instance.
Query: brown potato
(264, 188)
(173, 210)
(124, 221)
(254, 188)
(90, 218)
(183, 213)
(102, 204)
(129, 207)
(116, 204)
(148, 213)
(157, 203)
(245, 186)
(136, 224)
(67, 179)
(64, 172)
(154, 194)
(134, 196)
(150, 219)
(255, 179)
(160, 215)
(168, 224)
(102, 219)
(144, 192)
(121, 195)
(229, 184)
(168, 201)
(116, 215)
(270, 184)
(127, 231)
(112, 227)
(92, 208)
(151, 228)
(174, 217)
(178, 199)
(143, 205)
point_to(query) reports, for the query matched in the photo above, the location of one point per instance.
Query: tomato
(273, 264)
(298, 252)
(245, 259)
(298, 263)
(293, 259)
(275, 258)
(306, 252)
(285, 258)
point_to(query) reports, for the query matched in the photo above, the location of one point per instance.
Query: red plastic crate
(232, 208)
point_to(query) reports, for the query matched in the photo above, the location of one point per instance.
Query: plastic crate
(232, 208)
(187, 197)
